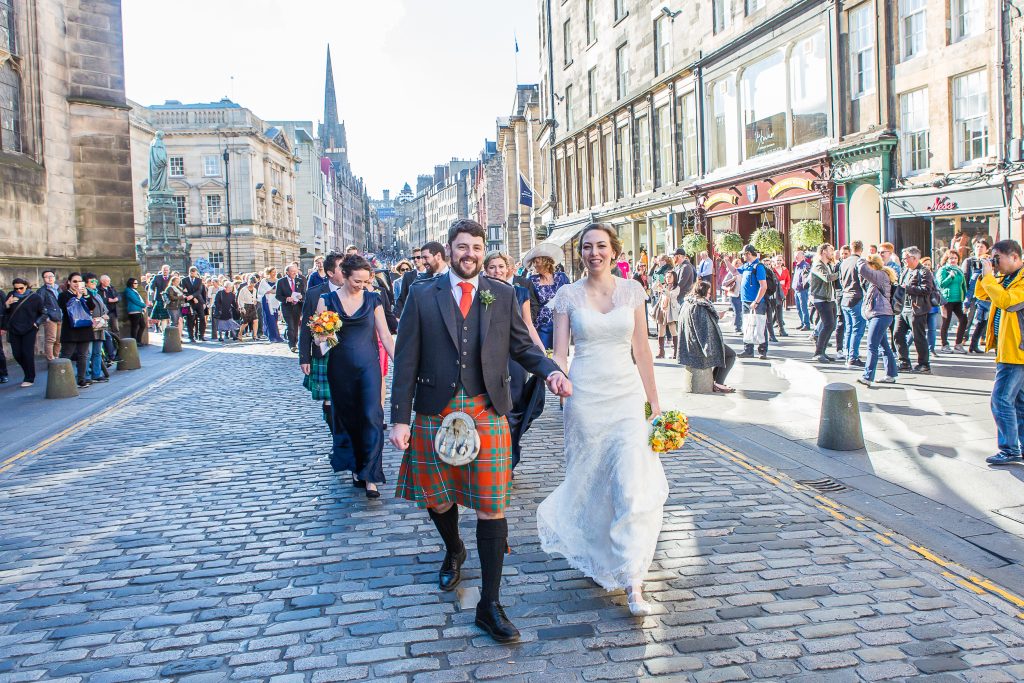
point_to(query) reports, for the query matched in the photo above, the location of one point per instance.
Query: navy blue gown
(527, 394)
(353, 374)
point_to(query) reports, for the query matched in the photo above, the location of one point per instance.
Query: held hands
(400, 436)
(559, 384)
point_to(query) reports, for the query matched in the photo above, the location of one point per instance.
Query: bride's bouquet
(325, 326)
(669, 431)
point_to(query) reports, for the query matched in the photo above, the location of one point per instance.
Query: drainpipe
(552, 121)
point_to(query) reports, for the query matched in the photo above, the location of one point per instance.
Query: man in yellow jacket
(1002, 283)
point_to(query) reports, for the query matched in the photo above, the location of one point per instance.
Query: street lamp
(227, 196)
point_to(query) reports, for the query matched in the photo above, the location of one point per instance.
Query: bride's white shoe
(638, 607)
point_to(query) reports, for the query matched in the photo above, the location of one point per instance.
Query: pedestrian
(824, 277)
(773, 302)
(247, 298)
(76, 336)
(876, 307)
(753, 290)
(916, 285)
(4, 378)
(135, 307)
(174, 300)
(24, 312)
(312, 359)
(666, 315)
(267, 291)
(935, 311)
(290, 290)
(701, 345)
(705, 268)
(977, 309)
(97, 368)
(802, 288)
(51, 326)
(156, 290)
(952, 284)
(403, 267)
(732, 286)
(851, 303)
(1001, 284)
(111, 298)
(317, 275)
(686, 274)
(547, 283)
(410, 276)
(195, 299)
(226, 326)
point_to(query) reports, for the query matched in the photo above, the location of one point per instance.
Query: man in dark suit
(291, 290)
(160, 282)
(457, 335)
(307, 349)
(195, 295)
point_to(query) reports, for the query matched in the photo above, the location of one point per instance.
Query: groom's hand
(400, 436)
(559, 384)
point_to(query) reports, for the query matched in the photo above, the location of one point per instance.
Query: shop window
(862, 50)
(809, 89)
(664, 121)
(662, 45)
(688, 125)
(723, 147)
(764, 112)
(967, 18)
(970, 118)
(643, 134)
(912, 28)
(914, 131)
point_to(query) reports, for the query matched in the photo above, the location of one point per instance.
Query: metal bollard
(129, 353)
(172, 340)
(839, 428)
(60, 379)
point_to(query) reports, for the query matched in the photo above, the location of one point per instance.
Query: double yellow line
(956, 575)
(94, 417)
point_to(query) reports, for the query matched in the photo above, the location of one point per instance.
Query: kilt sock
(448, 526)
(491, 543)
(328, 416)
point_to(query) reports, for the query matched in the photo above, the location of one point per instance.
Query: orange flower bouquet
(325, 326)
(669, 431)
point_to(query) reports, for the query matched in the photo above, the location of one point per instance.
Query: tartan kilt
(484, 484)
(316, 380)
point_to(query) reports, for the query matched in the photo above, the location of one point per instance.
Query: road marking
(65, 433)
(969, 586)
(928, 555)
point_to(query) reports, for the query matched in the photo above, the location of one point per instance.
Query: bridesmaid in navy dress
(354, 375)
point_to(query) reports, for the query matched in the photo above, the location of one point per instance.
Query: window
(581, 178)
(592, 92)
(724, 144)
(620, 9)
(570, 181)
(719, 15)
(621, 71)
(754, 5)
(211, 165)
(608, 142)
(862, 51)
(594, 159)
(177, 166)
(180, 210)
(566, 42)
(970, 118)
(589, 15)
(809, 89)
(967, 18)
(664, 122)
(688, 124)
(643, 134)
(10, 82)
(568, 107)
(559, 185)
(912, 28)
(764, 112)
(623, 161)
(662, 45)
(213, 209)
(216, 259)
(914, 131)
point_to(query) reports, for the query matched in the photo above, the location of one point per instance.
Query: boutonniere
(486, 298)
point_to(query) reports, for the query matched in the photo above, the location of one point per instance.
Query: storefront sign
(719, 198)
(788, 184)
(942, 204)
(901, 204)
(752, 193)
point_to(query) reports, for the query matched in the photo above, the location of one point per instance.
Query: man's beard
(467, 275)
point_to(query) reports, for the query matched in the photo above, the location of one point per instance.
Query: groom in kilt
(457, 334)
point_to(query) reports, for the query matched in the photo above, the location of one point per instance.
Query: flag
(525, 192)
(516, 38)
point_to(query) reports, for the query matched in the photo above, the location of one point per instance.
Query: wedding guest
(317, 275)
(246, 299)
(270, 305)
(701, 344)
(705, 268)
(174, 299)
(195, 299)
(732, 285)
(290, 290)
(156, 290)
(24, 312)
(824, 277)
(226, 306)
(547, 283)
(666, 315)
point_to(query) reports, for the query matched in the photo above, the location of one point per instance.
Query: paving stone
(931, 665)
(886, 671)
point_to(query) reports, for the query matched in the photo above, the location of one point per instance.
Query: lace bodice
(594, 331)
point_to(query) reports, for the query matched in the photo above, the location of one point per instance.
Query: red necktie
(467, 297)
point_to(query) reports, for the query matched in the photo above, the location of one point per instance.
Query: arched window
(10, 82)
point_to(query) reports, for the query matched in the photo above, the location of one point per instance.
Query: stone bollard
(129, 353)
(172, 340)
(698, 380)
(60, 379)
(839, 428)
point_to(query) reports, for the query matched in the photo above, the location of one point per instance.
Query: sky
(418, 81)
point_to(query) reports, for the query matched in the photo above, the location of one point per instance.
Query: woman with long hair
(271, 306)
(701, 345)
(877, 309)
(953, 285)
(667, 313)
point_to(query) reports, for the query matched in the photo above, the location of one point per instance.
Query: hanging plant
(808, 234)
(767, 241)
(694, 243)
(728, 243)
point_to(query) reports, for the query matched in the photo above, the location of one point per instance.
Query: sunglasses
(76, 282)
(19, 288)
(418, 258)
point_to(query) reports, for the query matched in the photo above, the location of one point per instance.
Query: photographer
(1002, 285)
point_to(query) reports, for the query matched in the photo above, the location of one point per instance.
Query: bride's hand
(655, 410)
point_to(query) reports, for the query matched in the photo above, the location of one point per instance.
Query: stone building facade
(312, 190)
(65, 170)
(487, 195)
(447, 201)
(260, 177)
(519, 148)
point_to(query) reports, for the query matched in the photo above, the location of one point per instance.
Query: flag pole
(516, 39)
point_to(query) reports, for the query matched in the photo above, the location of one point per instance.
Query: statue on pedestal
(158, 164)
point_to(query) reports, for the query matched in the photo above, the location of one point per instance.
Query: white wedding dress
(605, 517)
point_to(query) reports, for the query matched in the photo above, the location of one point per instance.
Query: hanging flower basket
(767, 241)
(728, 243)
(694, 243)
(808, 234)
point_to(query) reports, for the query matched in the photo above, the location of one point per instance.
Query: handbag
(79, 314)
(457, 442)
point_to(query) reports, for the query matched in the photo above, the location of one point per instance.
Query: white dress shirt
(457, 291)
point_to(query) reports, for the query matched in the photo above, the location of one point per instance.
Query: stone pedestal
(165, 240)
(698, 381)
(839, 428)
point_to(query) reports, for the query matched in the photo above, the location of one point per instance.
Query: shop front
(861, 173)
(931, 218)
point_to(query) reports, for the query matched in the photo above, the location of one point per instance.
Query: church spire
(330, 99)
(332, 130)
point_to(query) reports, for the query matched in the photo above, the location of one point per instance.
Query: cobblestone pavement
(192, 537)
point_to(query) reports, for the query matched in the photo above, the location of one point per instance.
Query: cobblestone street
(194, 536)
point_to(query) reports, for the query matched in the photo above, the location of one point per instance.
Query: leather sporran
(457, 442)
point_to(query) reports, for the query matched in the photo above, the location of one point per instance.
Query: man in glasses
(408, 278)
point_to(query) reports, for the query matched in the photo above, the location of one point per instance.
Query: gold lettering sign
(719, 198)
(788, 184)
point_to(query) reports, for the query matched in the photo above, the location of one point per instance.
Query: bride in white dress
(605, 517)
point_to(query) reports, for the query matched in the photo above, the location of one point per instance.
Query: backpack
(79, 313)
(772, 282)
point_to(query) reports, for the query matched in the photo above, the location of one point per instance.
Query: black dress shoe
(491, 618)
(451, 570)
(372, 495)
(359, 484)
